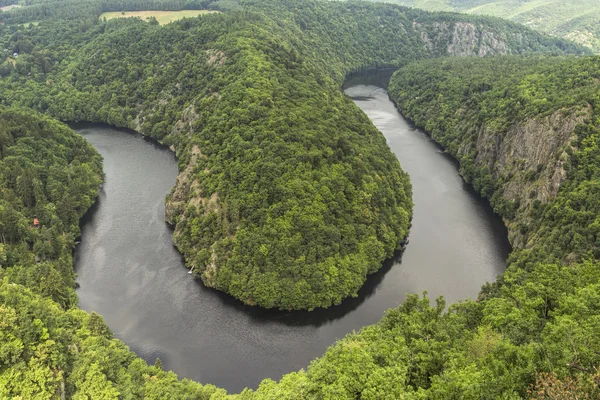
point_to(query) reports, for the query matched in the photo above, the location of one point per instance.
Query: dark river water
(130, 273)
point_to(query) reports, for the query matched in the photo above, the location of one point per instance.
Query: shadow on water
(88, 218)
(315, 318)
(91, 212)
(380, 78)
(83, 126)
(318, 316)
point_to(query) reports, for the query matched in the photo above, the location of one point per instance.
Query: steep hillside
(287, 197)
(526, 133)
(512, 122)
(49, 349)
(250, 100)
(50, 174)
(573, 20)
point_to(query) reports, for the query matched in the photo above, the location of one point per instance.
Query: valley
(129, 272)
(291, 201)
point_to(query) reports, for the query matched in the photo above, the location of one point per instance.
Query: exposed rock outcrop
(463, 39)
(185, 125)
(185, 186)
(529, 159)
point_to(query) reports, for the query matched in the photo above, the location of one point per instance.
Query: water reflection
(319, 316)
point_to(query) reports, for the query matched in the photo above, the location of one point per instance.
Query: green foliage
(88, 10)
(49, 348)
(573, 20)
(458, 99)
(288, 196)
(47, 352)
(543, 306)
(50, 173)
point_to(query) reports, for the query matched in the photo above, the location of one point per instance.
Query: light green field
(163, 17)
(10, 7)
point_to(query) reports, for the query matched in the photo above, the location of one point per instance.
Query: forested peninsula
(287, 197)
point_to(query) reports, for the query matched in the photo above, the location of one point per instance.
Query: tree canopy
(538, 303)
(288, 196)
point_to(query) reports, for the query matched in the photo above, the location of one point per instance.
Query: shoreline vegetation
(288, 196)
(481, 111)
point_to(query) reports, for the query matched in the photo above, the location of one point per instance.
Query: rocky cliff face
(463, 39)
(516, 125)
(528, 160)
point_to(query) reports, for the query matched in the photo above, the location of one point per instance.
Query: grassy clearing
(163, 17)
(9, 7)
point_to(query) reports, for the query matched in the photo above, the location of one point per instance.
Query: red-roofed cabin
(36, 223)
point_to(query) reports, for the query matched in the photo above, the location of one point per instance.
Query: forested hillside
(50, 174)
(78, 10)
(48, 347)
(517, 125)
(287, 197)
(526, 133)
(574, 20)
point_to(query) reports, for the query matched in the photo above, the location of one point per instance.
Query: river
(130, 273)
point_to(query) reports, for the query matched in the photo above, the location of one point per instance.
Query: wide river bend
(131, 274)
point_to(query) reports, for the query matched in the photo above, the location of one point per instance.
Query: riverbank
(153, 302)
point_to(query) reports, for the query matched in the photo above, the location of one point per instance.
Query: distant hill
(578, 21)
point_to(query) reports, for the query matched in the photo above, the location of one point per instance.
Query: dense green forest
(574, 20)
(51, 174)
(546, 301)
(48, 347)
(497, 104)
(288, 197)
(38, 10)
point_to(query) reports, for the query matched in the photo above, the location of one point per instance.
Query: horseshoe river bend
(130, 273)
